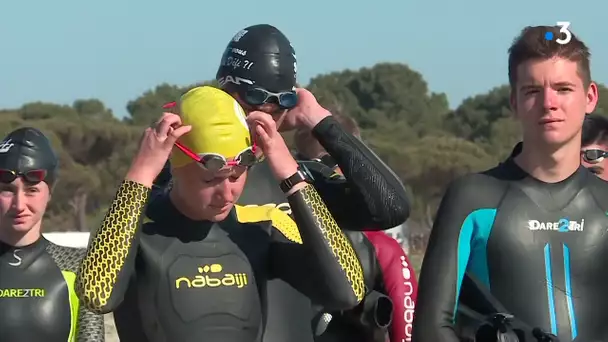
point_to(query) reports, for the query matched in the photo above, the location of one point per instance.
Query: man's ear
(592, 97)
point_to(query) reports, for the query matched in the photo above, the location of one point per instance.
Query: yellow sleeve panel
(338, 242)
(108, 251)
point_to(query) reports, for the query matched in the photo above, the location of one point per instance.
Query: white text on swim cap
(5, 146)
(239, 35)
(234, 80)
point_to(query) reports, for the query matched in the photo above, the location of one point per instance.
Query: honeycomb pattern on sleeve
(111, 245)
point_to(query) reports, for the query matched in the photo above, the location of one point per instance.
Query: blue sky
(59, 51)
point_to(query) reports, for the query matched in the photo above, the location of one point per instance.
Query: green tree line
(411, 128)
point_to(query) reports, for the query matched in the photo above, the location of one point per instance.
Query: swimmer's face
(22, 206)
(551, 100)
(599, 167)
(205, 195)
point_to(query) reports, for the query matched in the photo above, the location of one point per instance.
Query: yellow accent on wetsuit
(70, 279)
(106, 257)
(218, 125)
(339, 243)
(280, 220)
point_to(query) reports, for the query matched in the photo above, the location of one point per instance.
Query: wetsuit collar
(5, 247)
(514, 172)
(162, 209)
(517, 149)
(517, 172)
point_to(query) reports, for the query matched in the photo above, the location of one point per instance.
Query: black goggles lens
(594, 156)
(32, 176)
(259, 96)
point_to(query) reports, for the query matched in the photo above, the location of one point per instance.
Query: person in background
(259, 69)
(197, 271)
(37, 298)
(386, 267)
(594, 151)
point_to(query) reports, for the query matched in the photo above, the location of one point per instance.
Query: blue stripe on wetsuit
(473, 248)
(551, 293)
(571, 312)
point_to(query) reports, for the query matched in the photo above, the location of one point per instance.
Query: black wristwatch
(302, 175)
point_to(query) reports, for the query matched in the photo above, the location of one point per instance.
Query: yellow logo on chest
(211, 276)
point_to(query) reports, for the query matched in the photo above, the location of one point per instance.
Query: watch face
(306, 172)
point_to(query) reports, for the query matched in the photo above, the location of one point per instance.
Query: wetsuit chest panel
(202, 288)
(34, 297)
(550, 258)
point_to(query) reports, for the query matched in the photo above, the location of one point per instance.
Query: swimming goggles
(214, 162)
(594, 156)
(256, 96)
(31, 176)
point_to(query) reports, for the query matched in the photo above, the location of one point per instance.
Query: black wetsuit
(370, 198)
(537, 246)
(201, 281)
(37, 298)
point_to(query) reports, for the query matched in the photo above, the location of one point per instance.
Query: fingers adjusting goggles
(215, 162)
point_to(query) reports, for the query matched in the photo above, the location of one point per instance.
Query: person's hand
(155, 147)
(267, 137)
(308, 112)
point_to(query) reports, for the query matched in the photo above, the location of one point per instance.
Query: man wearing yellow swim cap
(198, 269)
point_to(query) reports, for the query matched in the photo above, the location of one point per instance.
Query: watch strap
(288, 183)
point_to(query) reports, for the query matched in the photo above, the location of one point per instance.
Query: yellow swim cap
(218, 125)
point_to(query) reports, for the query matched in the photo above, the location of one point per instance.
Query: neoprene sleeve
(110, 260)
(379, 201)
(399, 283)
(335, 276)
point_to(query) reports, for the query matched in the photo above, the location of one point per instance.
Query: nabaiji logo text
(211, 276)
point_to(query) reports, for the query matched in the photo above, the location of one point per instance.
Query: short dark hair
(595, 129)
(306, 144)
(532, 44)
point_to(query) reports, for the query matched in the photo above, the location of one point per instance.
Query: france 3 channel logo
(565, 35)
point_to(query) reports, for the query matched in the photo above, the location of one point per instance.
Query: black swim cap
(27, 149)
(259, 55)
